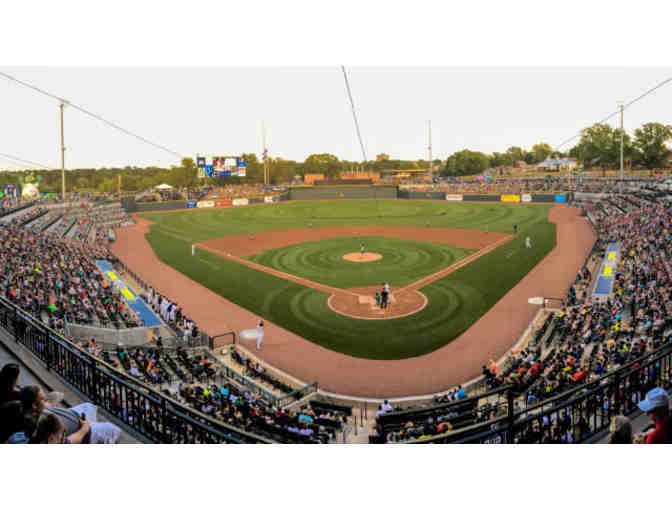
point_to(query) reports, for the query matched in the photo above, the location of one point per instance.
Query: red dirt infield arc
(455, 363)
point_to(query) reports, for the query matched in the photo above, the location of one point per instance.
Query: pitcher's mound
(358, 257)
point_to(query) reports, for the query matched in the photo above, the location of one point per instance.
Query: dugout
(335, 192)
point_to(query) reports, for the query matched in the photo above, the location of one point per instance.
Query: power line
(91, 114)
(9, 157)
(630, 103)
(354, 115)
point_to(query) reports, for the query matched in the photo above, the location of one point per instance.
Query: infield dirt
(460, 360)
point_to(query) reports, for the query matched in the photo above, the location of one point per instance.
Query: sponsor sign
(276, 199)
(560, 198)
(454, 198)
(205, 203)
(223, 203)
(510, 198)
(480, 198)
(191, 204)
(526, 197)
(268, 200)
(240, 201)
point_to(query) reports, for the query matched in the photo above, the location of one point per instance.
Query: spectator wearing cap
(657, 408)
(386, 407)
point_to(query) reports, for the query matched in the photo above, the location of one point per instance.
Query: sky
(220, 110)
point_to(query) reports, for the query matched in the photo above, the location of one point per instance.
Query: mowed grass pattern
(204, 224)
(455, 302)
(322, 261)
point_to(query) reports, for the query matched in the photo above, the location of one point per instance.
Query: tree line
(185, 175)
(599, 145)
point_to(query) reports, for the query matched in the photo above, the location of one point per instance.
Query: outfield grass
(204, 224)
(455, 302)
(322, 261)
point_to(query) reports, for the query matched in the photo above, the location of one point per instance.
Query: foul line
(415, 286)
(444, 272)
(285, 276)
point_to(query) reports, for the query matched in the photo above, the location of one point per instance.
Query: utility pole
(265, 155)
(62, 154)
(431, 161)
(620, 105)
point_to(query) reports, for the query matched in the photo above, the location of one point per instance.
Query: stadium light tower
(264, 155)
(429, 148)
(61, 107)
(620, 106)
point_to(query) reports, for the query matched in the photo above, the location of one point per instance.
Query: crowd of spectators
(588, 338)
(55, 280)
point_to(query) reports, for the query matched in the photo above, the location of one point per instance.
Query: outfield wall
(130, 205)
(341, 192)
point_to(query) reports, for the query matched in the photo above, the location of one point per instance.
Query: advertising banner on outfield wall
(223, 203)
(591, 197)
(480, 198)
(454, 198)
(191, 204)
(510, 198)
(526, 197)
(427, 195)
(560, 198)
(205, 203)
(255, 200)
(239, 201)
(542, 198)
(268, 200)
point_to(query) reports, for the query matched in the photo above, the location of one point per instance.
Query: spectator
(620, 430)
(11, 419)
(9, 378)
(657, 408)
(386, 407)
(10, 389)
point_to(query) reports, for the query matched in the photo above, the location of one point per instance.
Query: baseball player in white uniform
(528, 242)
(260, 334)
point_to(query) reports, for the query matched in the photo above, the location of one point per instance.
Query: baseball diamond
(286, 279)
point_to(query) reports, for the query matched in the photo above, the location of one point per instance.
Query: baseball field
(299, 265)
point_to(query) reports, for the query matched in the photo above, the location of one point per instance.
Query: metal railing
(576, 415)
(298, 394)
(154, 415)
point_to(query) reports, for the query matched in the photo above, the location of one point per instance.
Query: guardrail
(579, 414)
(298, 394)
(154, 415)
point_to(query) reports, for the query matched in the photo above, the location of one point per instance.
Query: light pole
(620, 105)
(431, 161)
(62, 105)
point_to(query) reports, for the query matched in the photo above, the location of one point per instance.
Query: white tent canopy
(164, 186)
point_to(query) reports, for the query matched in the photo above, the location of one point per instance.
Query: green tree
(466, 162)
(650, 143)
(601, 144)
(516, 153)
(540, 152)
(498, 159)
(328, 164)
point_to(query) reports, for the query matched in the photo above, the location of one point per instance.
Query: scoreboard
(221, 166)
